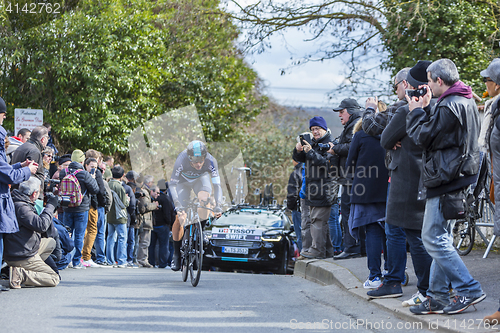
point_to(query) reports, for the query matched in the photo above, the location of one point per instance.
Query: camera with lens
(156, 199)
(50, 184)
(62, 200)
(51, 190)
(139, 195)
(417, 92)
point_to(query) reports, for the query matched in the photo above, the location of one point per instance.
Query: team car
(256, 238)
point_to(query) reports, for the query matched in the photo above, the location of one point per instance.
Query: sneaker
(386, 291)
(460, 303)
(132, 265)
(120, 266)
(16, 277)
(79, 266)
(84, 263)
(103, 264)
(372, 284)
(310, 255)
(145, 264)
(429, 306)
(90, 263)
(416, 299)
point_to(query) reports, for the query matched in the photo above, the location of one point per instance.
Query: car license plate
(236, 250)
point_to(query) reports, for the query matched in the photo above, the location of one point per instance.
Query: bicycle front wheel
(184, 256)
(196, 253)
(464, 234)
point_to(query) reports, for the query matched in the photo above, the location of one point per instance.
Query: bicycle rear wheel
(184, 256)
(196, 253)
(464, 233)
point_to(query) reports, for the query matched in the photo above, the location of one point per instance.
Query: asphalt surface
(351, 273)
(156, 300)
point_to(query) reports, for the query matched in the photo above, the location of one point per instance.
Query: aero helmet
(197, 151)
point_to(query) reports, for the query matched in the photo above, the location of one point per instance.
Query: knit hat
(318, 121)
(132, 175)
(78, 156)
(162, 185)
(350, 105)
(117, 171)
(3, 107)
(493, 71)
(417, 75)
(65, 158)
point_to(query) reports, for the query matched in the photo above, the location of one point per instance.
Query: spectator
(368, 199)
(164, 217)
(25, 250)
(63, 163)
(47, 155)
(96, 201)
(145, 217)
(76, 217)
(32, 150)
(67, 244)
(320, 190)
(117, 226)
(349, 112)
(405, 213)
(293, 199)
(50, 143)
(448, 135)
(15, 141)
(14, 174)
(131, 177)
(490, 141)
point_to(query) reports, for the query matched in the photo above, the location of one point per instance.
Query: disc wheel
(463, 236)
(196, 254)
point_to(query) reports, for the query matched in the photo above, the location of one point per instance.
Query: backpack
(120, 209)
(70, 186)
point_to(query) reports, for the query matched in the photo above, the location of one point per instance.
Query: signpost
(27, 118)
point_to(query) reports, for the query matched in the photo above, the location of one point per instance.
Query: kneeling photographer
(321, 191)
(26, 250)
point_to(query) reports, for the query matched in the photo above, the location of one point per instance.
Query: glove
(52, 199)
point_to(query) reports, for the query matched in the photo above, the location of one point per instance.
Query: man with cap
(32, 150)
(14, 174)
(404, 212)
(76, 217)
(349, 113)
(321, 191)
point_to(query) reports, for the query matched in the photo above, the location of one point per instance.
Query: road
(156, 300)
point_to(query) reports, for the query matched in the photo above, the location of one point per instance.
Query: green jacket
(116, 186)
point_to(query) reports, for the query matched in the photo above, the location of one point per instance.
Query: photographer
(25, 250)
(320, 189)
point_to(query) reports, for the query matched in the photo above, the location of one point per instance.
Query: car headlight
(271, 238)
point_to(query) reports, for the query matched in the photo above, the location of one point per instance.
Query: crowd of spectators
(404, 172)
(77, 210)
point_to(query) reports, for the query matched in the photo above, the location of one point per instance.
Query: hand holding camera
(418, 98)
(52, 199)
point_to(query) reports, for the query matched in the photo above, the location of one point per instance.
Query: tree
(103, 68)
(403, 32)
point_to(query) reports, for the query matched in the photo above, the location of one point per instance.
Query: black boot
(176, 258)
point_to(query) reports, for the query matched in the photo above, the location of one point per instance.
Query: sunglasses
(487, 79)
(395, 87)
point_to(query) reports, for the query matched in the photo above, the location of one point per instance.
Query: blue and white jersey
(185, 172)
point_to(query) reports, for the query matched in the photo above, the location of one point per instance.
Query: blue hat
(318, 121)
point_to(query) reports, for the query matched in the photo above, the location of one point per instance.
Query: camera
(51, 189)
(62, 200)
(417, 92)
(324, 146)
(139, 195)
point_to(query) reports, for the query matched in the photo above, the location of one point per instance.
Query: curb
(326, 272)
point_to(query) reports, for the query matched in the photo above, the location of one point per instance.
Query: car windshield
(254, 218)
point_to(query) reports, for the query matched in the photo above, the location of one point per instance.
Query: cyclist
(192, 171)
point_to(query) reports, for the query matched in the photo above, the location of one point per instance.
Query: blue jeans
(421, 259)
(77, 222)
(100, 238)
(335, 230)
(130, 244)
(447, 266)
(297, 221)
(396, 254)
(159, 235)
(349, 243)
(375, 239)
(117, 236)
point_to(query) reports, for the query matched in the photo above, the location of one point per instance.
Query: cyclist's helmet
(197, 151)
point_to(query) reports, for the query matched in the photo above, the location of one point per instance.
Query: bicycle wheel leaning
(196, 253)
(464, 235)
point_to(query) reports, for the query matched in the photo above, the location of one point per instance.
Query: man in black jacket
(448, 133)
(25, 250)
(349, 113)
(163, 218)
(293, 199)
(76, 217)
(32, 150)
(320, 188)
